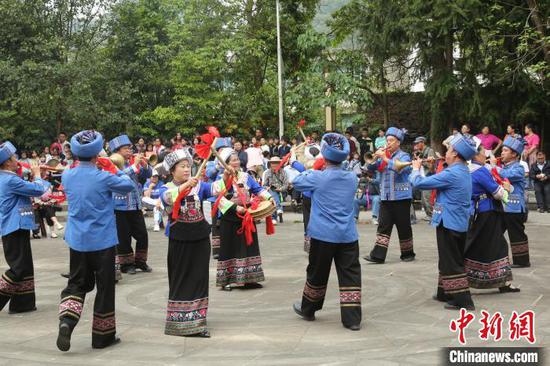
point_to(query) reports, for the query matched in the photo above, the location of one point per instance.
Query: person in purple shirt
(490, 142)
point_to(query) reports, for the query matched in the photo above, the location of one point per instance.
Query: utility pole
(280, 73)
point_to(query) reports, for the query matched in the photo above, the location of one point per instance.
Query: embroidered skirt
(188, 286)
(238, 263)
(486, 259)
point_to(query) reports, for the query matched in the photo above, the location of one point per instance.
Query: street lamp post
(280, 73)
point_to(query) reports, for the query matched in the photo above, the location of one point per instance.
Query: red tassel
(247, 227)
(177, 204)
(433, 195)
(269, 227)
(383, 164)
(283, 162)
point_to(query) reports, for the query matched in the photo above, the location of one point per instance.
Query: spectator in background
(423, 151)
(512, 131)
(352, 146)
(62, 140)
(274, 147)
(264, 146)
(315, 137)
(140, 147)
(56, 154)
(149, 151)
(35, 159)
(365, 143)
(465, 130)
(24, 158)
(380, 141)
(243, 156)
(533, 142)
(447, 141)
(353, 165)
(540, 175)
(277, 184)
(284, 148)
(258, 134)
(490, 142)
(158, 147)
(177, 142)
(349, 136)
(255, 158)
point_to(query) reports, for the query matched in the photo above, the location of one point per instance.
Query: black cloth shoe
(453, 306)
(521, 265)
(368, 258)
(64, 337)
(128, 269)
(36, 236)
(408, 259)
(144, 267)
(508, 288)
(354, 327)
(66, 275)
(226, 288)
(297, 306)
(250, 286)
(115, 340)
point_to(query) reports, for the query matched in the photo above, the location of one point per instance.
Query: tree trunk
(539, 26)
(385, 106)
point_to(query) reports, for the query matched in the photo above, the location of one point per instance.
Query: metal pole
(280, 73)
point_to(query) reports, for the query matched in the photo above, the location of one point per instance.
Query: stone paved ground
(401, 324)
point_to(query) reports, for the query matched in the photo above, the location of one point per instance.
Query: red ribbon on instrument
(283, 162)
(498, 178)
(384, 163)
(319, 164)
(247, 225)
(107, 165)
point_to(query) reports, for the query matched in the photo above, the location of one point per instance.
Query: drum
(264, 209)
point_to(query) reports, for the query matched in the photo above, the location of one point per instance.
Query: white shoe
(54, 235)
(59, 227)
(280, 211)
(156, 228)
(274, 221)
(374, 221)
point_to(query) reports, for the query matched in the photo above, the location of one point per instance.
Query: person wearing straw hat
(395, 199)
(515, 212)
(188, 248)
(129, 216)
(451, 216)
(333, 234)
(16, 222)
(276, 181)
(92, 238)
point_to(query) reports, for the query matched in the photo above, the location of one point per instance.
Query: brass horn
(153, 159)
(399, 165)
(118, 160)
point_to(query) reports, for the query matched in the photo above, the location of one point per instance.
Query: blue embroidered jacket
(454, 194)
(91, 219)
(516, 175)
(332, 196)
(484, 188)
(394, 186)
(15, 201)
(132, 200)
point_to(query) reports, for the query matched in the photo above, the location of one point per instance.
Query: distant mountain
(324, 14)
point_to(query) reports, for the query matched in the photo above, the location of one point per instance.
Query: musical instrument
(53, 165)
(264, 209)
(118, 160)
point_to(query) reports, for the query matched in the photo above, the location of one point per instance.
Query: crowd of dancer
(473, 199)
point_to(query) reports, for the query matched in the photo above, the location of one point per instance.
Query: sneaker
(375, 221)
(54, 235)
(280, 211)
(274, 221)
(156, 227)
(59, 227)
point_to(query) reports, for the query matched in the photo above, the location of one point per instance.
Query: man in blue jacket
(451, 214)
(129, 217)
(16, 222)
(92, 238)
(333, 234)
(515, 212)
(395, 199)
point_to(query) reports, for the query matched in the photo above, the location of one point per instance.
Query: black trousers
(453, 282)
(188, 286)
(215, 235)
(542, 194)
(306, 211)
(17, 283)
(131, 224)
(514, 223)
(346, 260)
(89, 269)
(393, 213)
